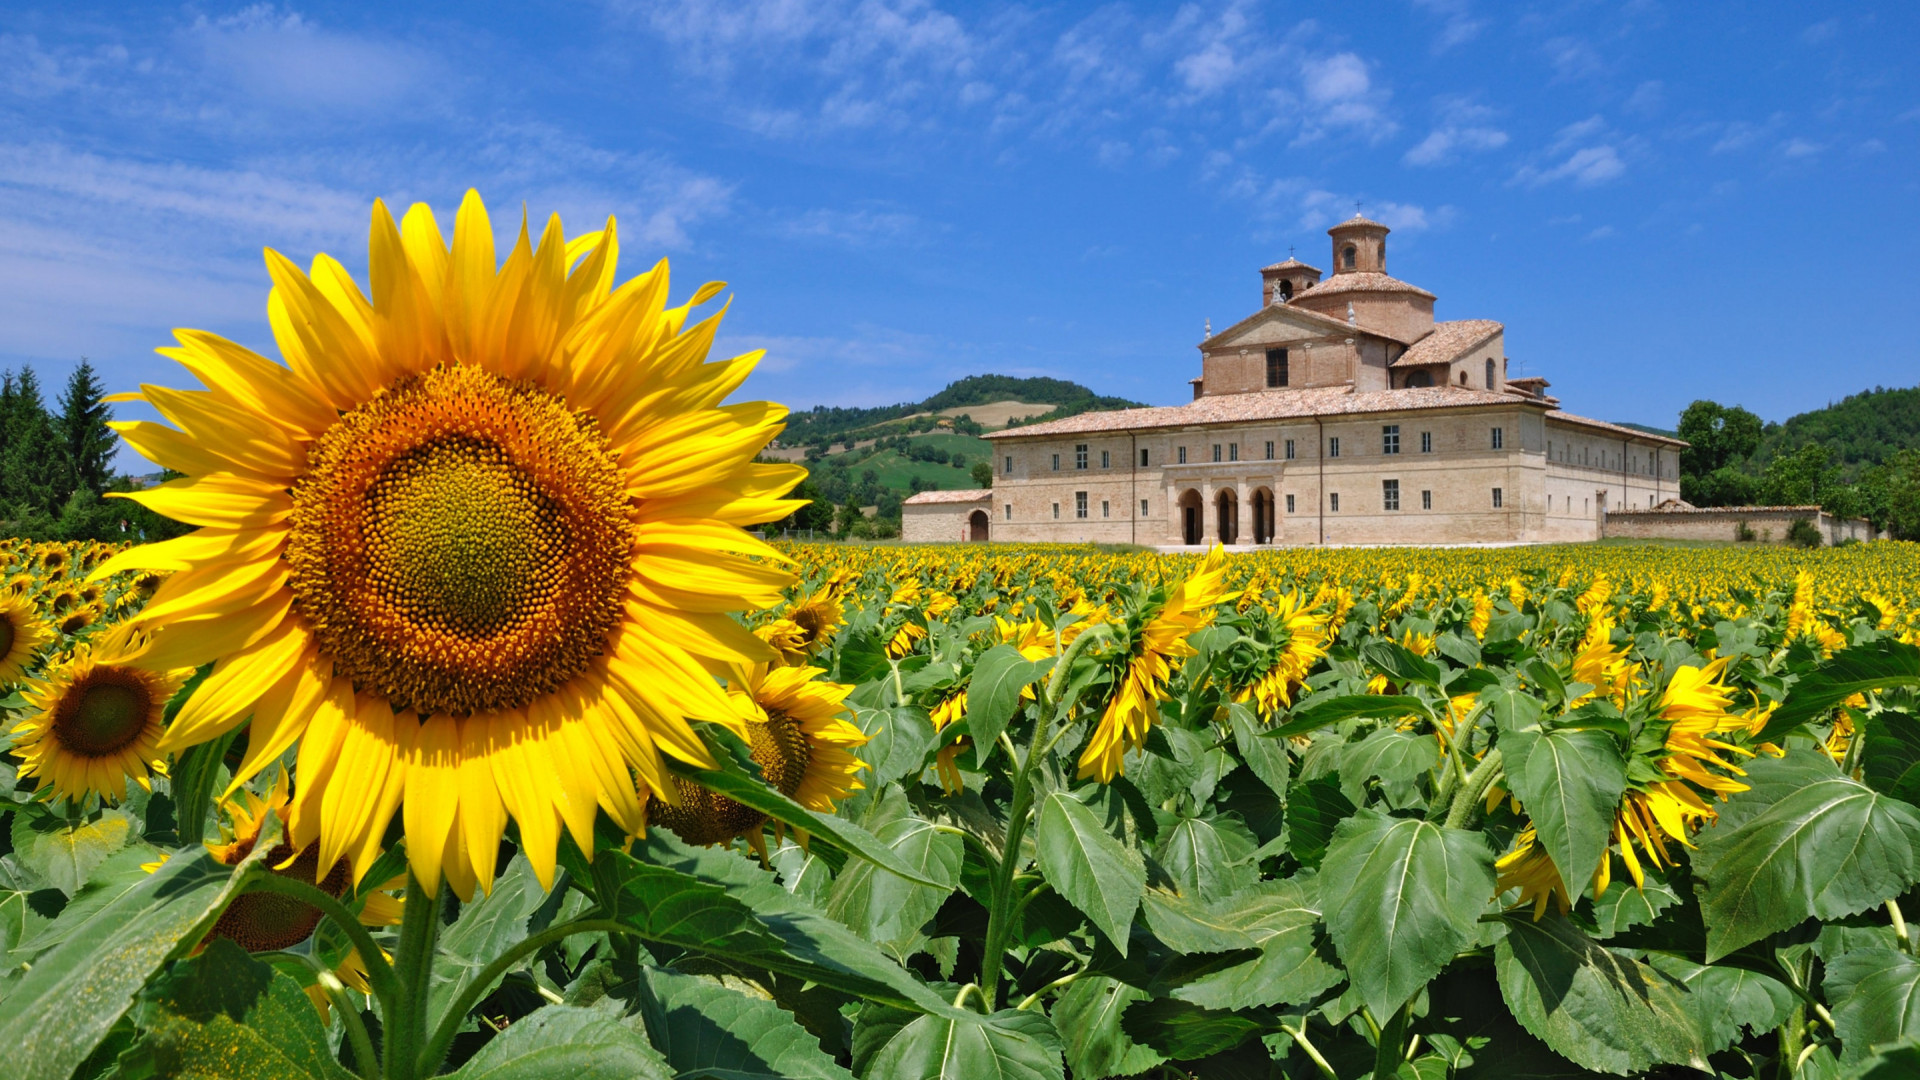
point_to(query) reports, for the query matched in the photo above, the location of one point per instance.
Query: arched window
(1285, 290)
(1489, 374)
(1347, 256)
(1419, 378)
(1463, 378)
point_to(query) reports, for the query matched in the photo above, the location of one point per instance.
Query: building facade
(1339, 412)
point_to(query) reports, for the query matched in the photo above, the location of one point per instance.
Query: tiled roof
(1358, 220)
(1569, 418)
(1683, 508)
(1361, 281)
(1264, 405)
(926, 498)
(1290, 264)
(1448, 340)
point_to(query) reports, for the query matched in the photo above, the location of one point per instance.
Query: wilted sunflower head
(95, 720)
(261, 921)
(478, 536)
(796, 733)
(22, 634)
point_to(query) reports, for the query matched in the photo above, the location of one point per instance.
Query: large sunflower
(95, 719)
(22, 633)
(473, 546)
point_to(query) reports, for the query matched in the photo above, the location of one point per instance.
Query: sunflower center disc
(101, 715)
(7, 634)
(778, 746)
(264, 921)
(460, 543)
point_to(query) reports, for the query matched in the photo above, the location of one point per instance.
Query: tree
(1726, 486)
(1898, 482)
(33, 472)
(1800, 478)
(983, 474)
(87, 443)
(1720, 435)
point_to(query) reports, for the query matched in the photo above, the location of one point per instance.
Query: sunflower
(809, 623)
(1306, 643)
(798, 735)
(22, 633)
(1694, 705)
(95, 720)
(473, 547)
(1135, 706)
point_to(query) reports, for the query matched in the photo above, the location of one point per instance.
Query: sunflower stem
(379, 973)
(413, 969)
(1004, 911)
(1466, 798)
(1391, 1048)
(436, 1048)
(365, 1061)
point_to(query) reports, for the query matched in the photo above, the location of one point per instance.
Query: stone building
(1338, 412)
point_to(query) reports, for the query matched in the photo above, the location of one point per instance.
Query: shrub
(1804, 533)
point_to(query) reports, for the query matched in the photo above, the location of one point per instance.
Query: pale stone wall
(1769, 524)
(941, 522)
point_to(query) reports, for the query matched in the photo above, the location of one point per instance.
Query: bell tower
(1359, 246)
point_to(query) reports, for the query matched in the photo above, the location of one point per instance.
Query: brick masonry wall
(1769, 526)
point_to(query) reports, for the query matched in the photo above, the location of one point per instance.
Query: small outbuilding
(947, 516)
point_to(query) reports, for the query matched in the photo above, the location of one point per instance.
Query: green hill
(823, 424)
(1866, 428)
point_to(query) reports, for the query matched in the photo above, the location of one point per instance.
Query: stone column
(1209, 517)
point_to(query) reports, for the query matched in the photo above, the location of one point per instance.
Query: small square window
(1497, 495)
(1389, 494)
(1289, 504)
(1426, 500)
(1080, 456)
(1143, 457)
(1426, 442)
(1216, 451)
(1104, 511)
(1056, 463)
(1183, 455)
(1106, 459)
(1390, 439)
(1333, 446)
(1289, 449)
(1080, 504)
(1143, 508)
(1056, 511)
(1333, 502)
(1499, 439)
(1269, 449)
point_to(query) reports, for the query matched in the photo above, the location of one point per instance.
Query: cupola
(1283, 281)
(1359, 246)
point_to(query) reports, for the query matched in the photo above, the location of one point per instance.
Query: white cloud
(291, 61)
(1602, 233)
(1444, 144)
(1647, 97)
(1820, 32)
(1458, 26)
(1800, 148)
(1573, 58)
(1587, 152)
(856, 228)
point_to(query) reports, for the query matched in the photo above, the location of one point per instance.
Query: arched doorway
(1263, 516)
(1229, 518)
(1190, 511)
(977, 526)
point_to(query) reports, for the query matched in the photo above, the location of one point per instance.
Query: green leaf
(228, 1015)
(1205, 856)
(1399, 663)
(1317, 712)
(699, 1025)
(75, 993)
(1830, 848)
(1268, 759)
(1624, 906)
(884, 907)
(863, 657)
(196, 772)
(1600, 1009)
(1102, 877)
(1184, 1031)
(734, 780)
(1088, 1016)
(1280, 919)
(1897, 1062)
(492, 924)
(1512, 709)
(1396, 757)
(1570, 782)
(565, 1040)
(1876, 665)
(994, 693)
(1891, 758)
(897, 742)
(1012, 1044)
(1401, 897)
(64, 857)
(1314, 809)
(1875, 997)
(1727, 999)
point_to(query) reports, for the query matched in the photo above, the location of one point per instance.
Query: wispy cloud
(1583, 153)
(1465, 127)
(1457, 23)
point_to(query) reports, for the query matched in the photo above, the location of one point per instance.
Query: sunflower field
(472, 733)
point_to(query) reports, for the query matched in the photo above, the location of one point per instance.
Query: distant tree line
(1860, 458)
(55, 465)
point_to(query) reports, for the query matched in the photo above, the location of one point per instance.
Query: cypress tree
(87, 441)
(33, 473)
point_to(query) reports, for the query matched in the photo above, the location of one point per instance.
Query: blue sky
(1661, 201)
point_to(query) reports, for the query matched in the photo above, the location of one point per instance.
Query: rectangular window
(1233, 451)
(1183, 455)
(1333, 446)
(1006, 467)
(1056, 511)
(1143, 457)
(1009, 509)
(1080, 455)
(1426, 442)
(1333, 502)
(1216, 451)
(1276, 367)
(1389, 494)
(1080, 504)
(1143, 508)
(1106, 459)
(1104, 511)
(1056, 463)
(1289, 449)
(1390, 438)
(1269, 449)
(1289, 504)
(1426, 500)
(1499, 439)
(1496, 499)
